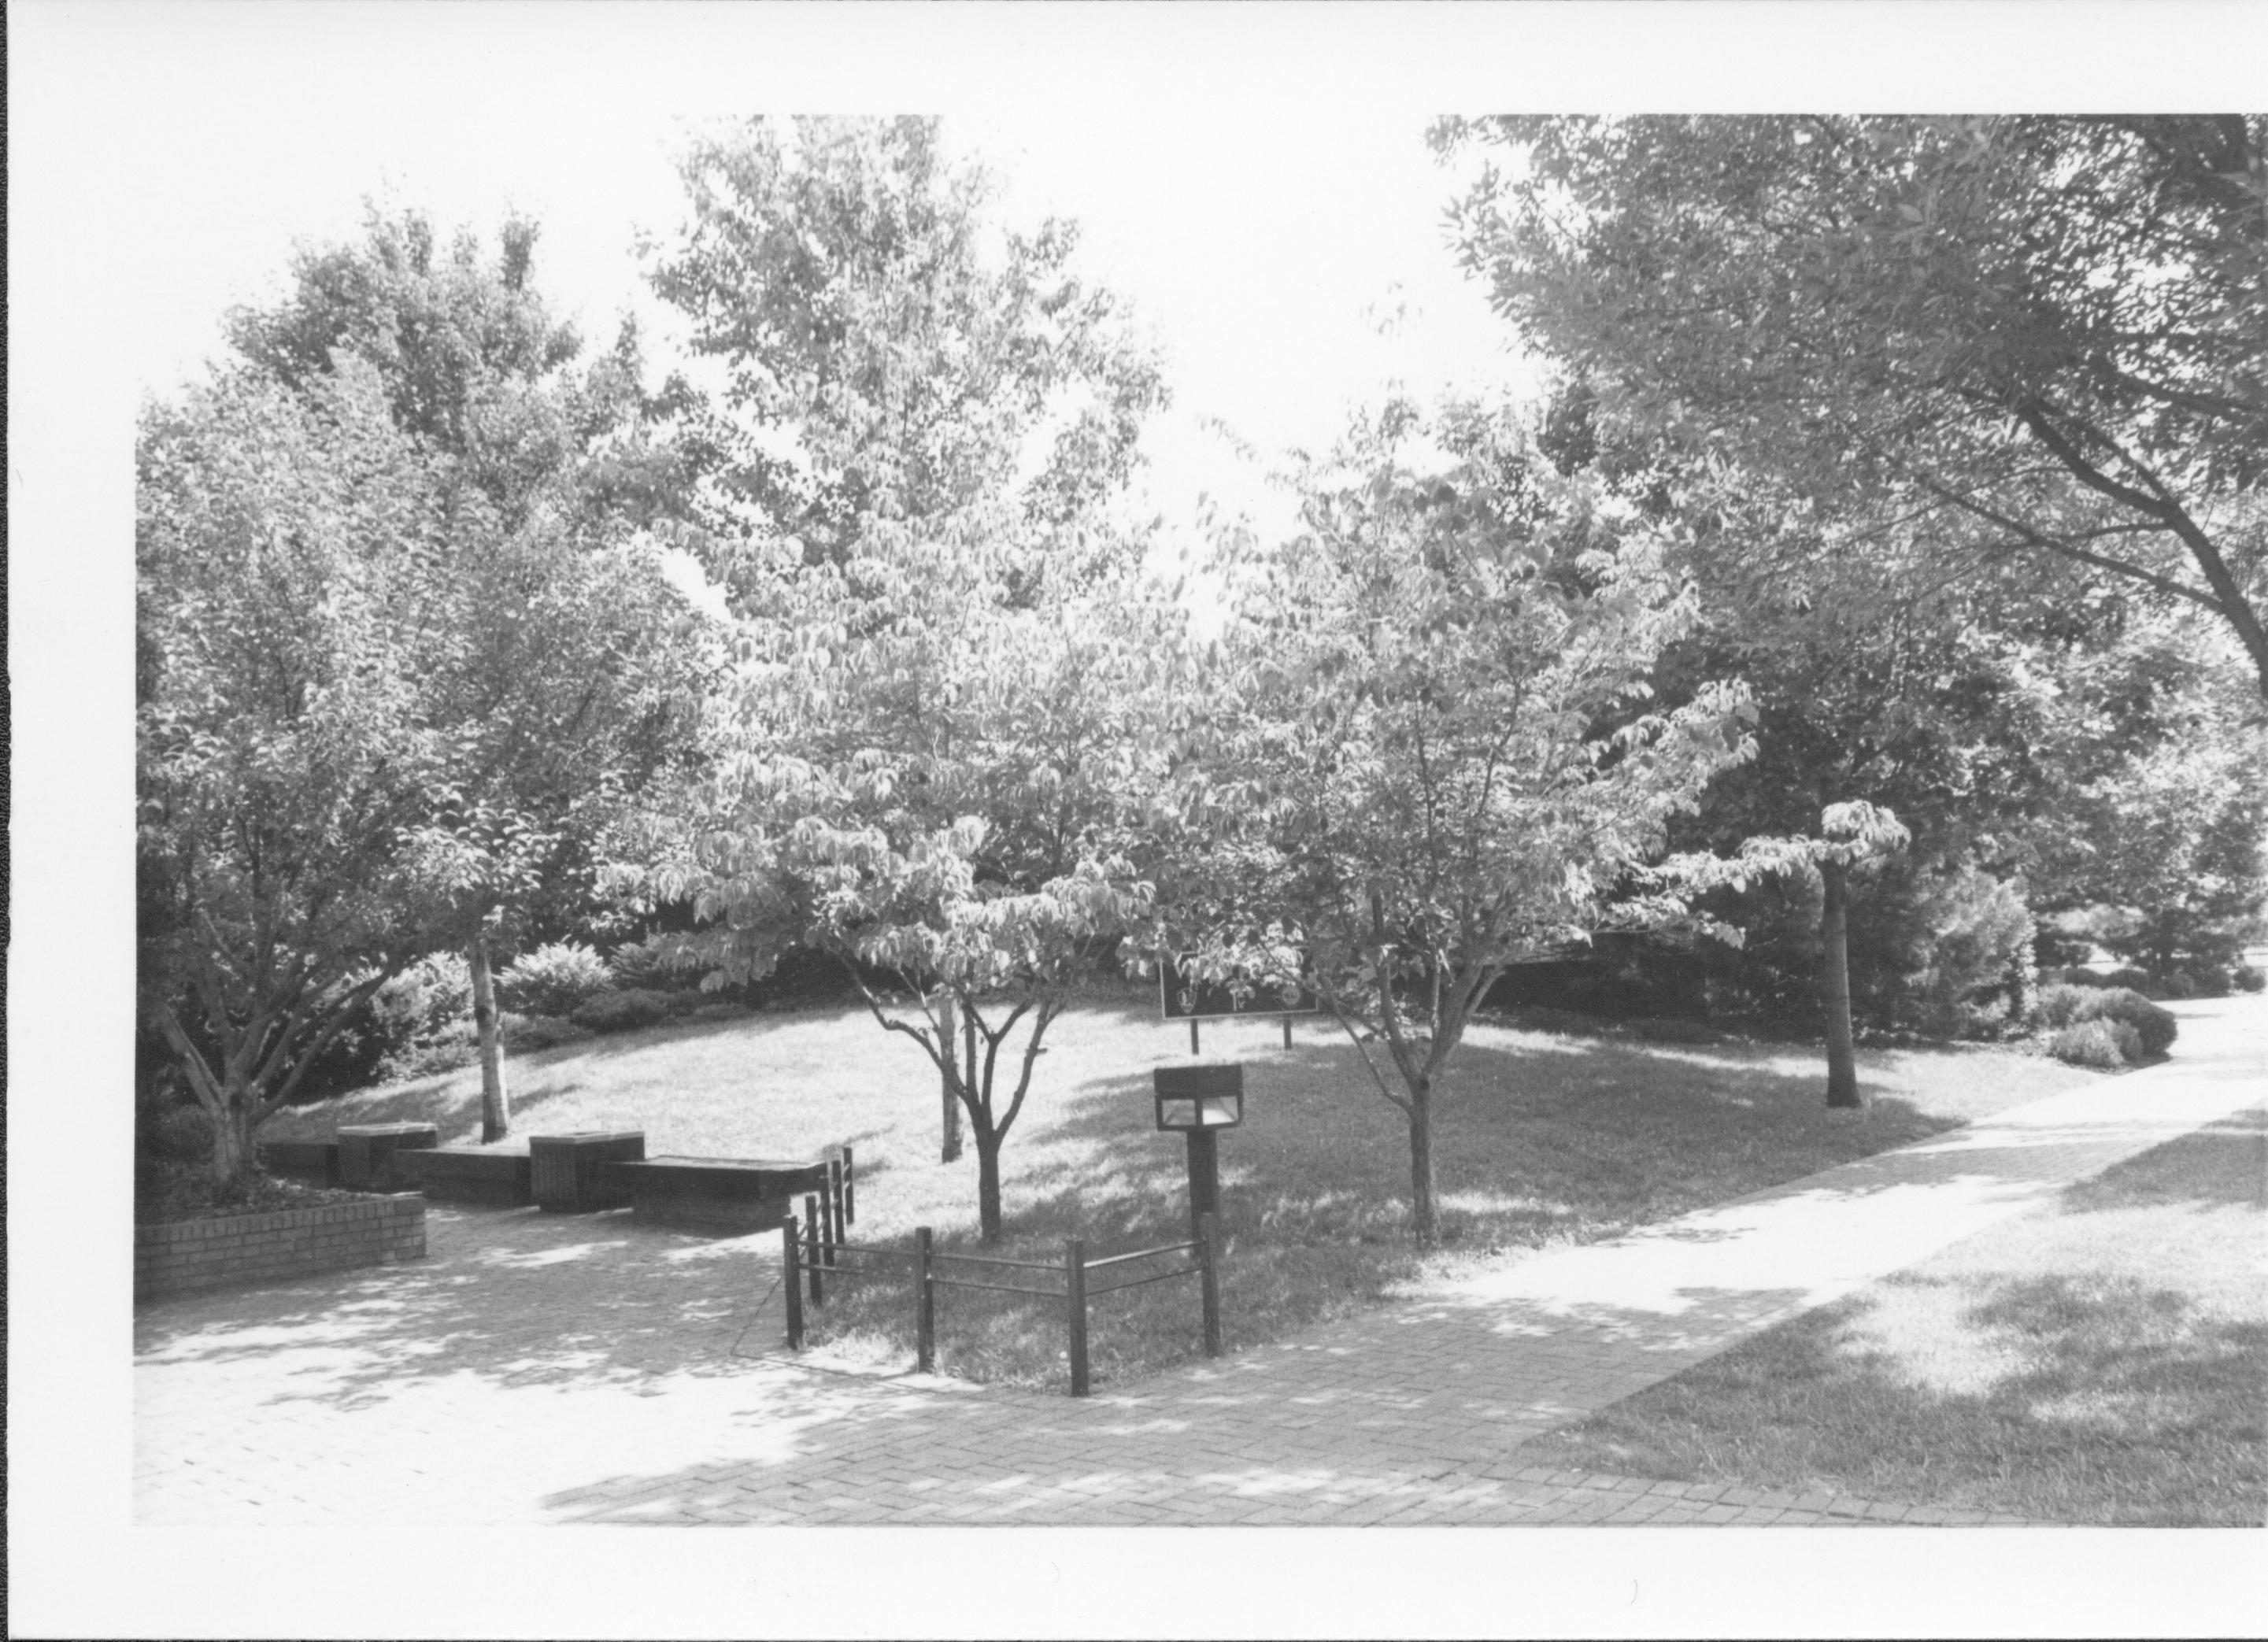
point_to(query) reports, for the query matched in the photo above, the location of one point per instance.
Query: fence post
(1075, 1293)
(834, 1206)
(924, 1305)
(1209, 1280)
(788, 1230)
(850, 1192)
(811, 1246)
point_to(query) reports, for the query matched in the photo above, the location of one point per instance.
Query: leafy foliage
(2039, 335)
(553, 980)
(621, 1012)
(1423, 749)
(2098, 1042)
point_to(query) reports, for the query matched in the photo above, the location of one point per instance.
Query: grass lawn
(1541, 1140)
(2103, 1360)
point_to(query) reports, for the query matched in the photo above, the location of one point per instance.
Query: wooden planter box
(313, 1161)
(718, 1194)
(366, 1153)
(185, 1257)
(495, 1180)
(569, 1172)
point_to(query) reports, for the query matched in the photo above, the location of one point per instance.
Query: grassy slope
(2103, 1361)
(1541, 1140)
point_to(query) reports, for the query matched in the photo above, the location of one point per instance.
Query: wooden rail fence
(812, 1246)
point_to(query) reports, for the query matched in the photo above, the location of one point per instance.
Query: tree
(1422, 750)
(898, 392)
(285, 762)
(884, 368)
(570, 663)
(939, 800)
(2035, 335)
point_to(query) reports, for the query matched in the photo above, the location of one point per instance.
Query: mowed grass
(2103, 1361)
(1541, 1140)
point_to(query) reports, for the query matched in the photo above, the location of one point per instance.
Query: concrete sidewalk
(549, 1370)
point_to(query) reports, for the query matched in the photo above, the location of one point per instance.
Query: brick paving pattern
(545, 1369)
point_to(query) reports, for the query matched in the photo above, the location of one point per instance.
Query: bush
(2157, 1027)
(2245, 978)
(178, 1132)
(553, 980)
(1968, 940)
(646, 966)
(423, 1003)
(527, 1034)
(2110, 1045)
(622, 1011)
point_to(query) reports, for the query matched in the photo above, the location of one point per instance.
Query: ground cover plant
(1559, 1138)
(2104, 1361)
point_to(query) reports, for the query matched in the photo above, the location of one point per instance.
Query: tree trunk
(1835, 985)
(495, 1102)
(231, 1153)
(949, 1149)
(1424, 1216)
(989, 1223)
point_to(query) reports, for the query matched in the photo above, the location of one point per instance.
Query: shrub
(553, 980)
(1968, 940)
(2156, 1026)
(529, 1033)
(622, 1011)
(423, 1003)
(2245, 978)
(647, 966)
(177, 1132)
(2065, 1006)
(2112, 1045)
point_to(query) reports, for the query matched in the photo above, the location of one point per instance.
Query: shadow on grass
(2065, 1367)
(1538, 1145)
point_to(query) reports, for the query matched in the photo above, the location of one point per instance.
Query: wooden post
(924, 1303)
(1193, 1035)
(1209, 1278)
(834, 1206)
(1204, 1176)
(788, 1233)
(1287, 1032)
(811, 1246)
(850, 1192)
(1075, 1293)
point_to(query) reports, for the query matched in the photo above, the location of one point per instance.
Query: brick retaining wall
(186, 1255)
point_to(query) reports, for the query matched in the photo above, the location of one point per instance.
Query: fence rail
(810, 1250)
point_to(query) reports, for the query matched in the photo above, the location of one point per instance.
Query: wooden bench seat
(477, 1175)
(717, 1193)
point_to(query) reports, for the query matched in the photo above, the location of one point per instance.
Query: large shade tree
(2036, 336)
(1423, 749)
(568, 668)
(888, 385)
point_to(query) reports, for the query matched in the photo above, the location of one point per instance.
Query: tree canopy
(1423, 749)
(2025, 334)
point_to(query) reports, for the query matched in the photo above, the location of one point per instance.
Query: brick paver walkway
(540, 1369)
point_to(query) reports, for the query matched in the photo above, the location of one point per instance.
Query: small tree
(941, 800)
(1423, 753)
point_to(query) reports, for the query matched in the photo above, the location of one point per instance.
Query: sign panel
(1181, 998)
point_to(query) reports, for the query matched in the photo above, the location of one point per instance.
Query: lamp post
(1200, 1101)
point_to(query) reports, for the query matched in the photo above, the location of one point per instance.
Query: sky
(1290, 264)
(1253, 179)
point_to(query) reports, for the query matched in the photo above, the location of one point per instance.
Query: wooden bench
(718, 1194)
(478, 1174)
